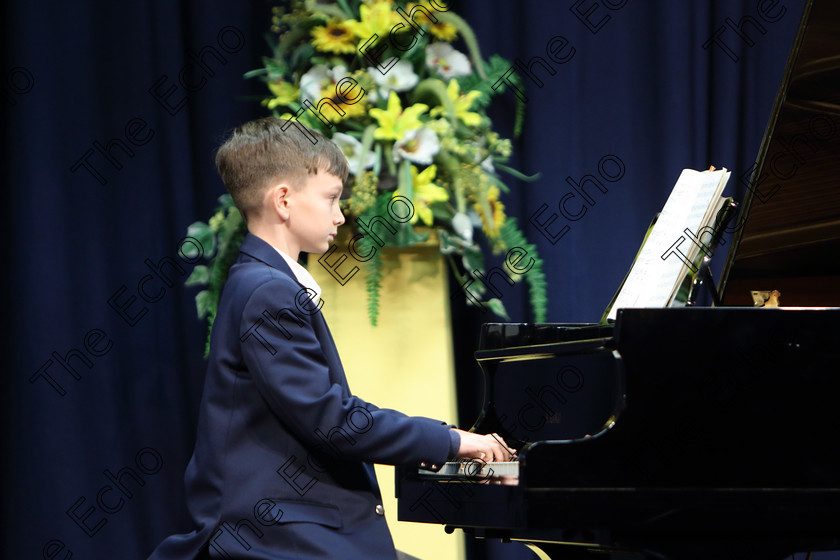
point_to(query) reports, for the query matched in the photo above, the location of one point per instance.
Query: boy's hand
(490, 448)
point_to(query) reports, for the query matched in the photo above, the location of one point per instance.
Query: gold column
(405, 363)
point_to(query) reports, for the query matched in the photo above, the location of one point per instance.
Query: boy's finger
(504, 446)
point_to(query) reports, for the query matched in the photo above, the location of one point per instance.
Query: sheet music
(663, 260)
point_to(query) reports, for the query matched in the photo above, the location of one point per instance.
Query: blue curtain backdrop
(111, 114)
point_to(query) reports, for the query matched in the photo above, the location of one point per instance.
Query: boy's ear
(277, 200)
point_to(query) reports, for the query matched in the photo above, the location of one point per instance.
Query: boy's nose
(339, 218)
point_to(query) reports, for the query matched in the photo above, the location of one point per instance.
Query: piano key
(475, 469)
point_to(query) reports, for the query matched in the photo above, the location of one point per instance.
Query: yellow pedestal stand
(404, 363)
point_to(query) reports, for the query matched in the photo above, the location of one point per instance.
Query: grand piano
(683, 432)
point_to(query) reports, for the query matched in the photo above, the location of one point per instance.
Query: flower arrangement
(383, 80)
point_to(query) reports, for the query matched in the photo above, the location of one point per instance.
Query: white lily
(418, 145)
(446, 61)
(463, 226)
(487, 165)
(400, 77)
(316, 78)
(352, 149)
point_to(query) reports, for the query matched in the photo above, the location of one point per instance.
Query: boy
(282, 462)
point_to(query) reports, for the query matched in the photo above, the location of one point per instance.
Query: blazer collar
(260, 250)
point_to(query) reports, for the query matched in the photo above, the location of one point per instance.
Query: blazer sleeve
(286, 359)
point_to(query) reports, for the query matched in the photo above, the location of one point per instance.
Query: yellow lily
(284, 93)
(395, 121)
(426, 192)
(462, 103)
(491, 210)
(376, 18)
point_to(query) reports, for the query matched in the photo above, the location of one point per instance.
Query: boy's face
(314, 213)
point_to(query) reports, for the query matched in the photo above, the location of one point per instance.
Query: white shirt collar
(302, 275)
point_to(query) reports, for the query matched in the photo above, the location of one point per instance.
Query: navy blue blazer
(282, 462)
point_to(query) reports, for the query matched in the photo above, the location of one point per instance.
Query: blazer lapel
(256, 248)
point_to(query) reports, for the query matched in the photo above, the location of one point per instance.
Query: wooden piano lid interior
(788, 234)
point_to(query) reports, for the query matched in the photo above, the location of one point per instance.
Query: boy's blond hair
(260, 153)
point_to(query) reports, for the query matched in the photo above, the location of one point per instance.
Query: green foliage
(472, 259)
(373, 285)
(496, 67)
(221, 238)
(513, 237)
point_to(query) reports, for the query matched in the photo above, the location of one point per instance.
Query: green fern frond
(519, 121)
(512, 237)
(373, 285)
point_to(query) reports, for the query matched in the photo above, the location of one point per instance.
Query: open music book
(676, 242)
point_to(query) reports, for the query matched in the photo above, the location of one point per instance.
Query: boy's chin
(319, 249)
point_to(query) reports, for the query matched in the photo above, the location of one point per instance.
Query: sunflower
(334, 37)
(444, 31)
(354, 110)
